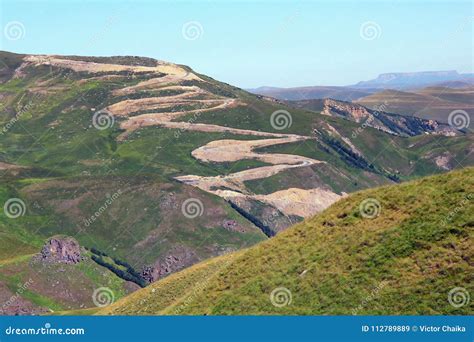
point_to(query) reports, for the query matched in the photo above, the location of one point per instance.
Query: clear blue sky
(254, 43)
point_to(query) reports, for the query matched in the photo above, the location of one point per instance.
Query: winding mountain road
(291, 201)
(156, 110)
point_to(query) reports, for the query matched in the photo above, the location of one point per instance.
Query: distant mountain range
(394, 80)
(429, 95)
(414, 80)
(315, 92)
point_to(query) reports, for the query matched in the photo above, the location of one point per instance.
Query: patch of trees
(348, 156)
(129, 274)
(355, 160)
(97, 252)
(263, 227)
(418, 126)
(394, 178)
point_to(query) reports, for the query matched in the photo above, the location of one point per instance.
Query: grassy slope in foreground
(404, 261)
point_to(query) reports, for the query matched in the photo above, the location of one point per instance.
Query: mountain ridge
(378, 118)
(411, 80)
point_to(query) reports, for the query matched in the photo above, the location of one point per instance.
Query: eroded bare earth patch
(168, 111)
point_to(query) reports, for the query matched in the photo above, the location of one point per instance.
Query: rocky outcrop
(346, 110)
(176, 260)
(388, 122)
(61, 250)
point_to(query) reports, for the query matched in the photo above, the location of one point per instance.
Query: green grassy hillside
(390, 250)
(142, 220)
(28, 285)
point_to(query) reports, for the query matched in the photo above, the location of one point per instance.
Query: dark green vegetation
(405, 260)
(121, 268)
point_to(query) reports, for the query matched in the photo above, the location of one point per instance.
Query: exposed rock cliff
(61, 249)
